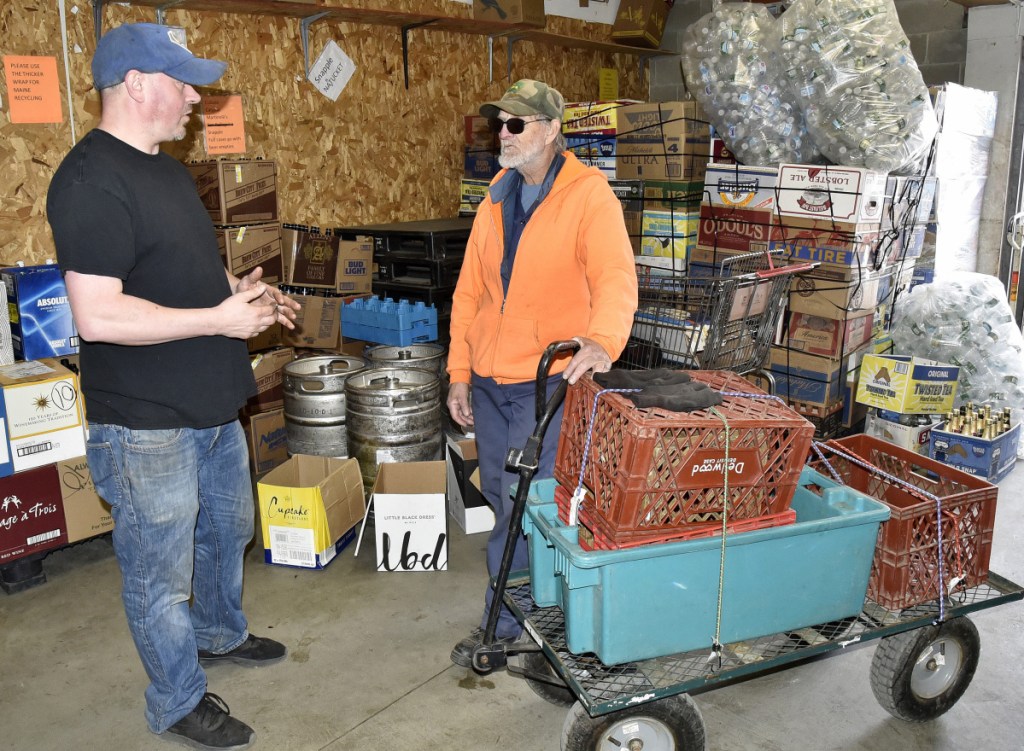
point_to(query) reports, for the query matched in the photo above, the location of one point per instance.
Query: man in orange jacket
(548, 259)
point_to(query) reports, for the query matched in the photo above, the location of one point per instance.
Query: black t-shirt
(119, 212)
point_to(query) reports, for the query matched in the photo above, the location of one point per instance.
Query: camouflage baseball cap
(527, 97)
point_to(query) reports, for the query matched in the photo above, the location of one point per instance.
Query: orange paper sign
(33, 89)
(224, 124)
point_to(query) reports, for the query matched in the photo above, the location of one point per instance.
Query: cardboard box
(409, 516)
(593, 118)
(886, 425)
(478, 133)
(272, 336)
(268, 440)
(42, 407)
(466, 503)
(631, 195)
(524, 12)
(826, 297)
(909, 385)
(479, 164)
(640, 23)
(317, 325)
(828, 337)
(742, 230)
(847, 194)
(908, 201)
(810, 378)
(471, 195)
(735, 186)
(662, 141)
(31, 514)
(40, 315)
(251, 245)
(828, 242)
(311, 257)
(669, 234)
(237, 191)
(594, 150)
(266, 368)
(355, 266)
(87, 514)
(309, 509)
(669, 195)
(992, 459)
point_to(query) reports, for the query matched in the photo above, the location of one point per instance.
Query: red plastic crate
(651, 471)
(905, 567)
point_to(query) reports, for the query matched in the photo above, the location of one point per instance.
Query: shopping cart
(726, 321)
(924, 662)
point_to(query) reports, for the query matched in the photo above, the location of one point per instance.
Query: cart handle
(544, 369)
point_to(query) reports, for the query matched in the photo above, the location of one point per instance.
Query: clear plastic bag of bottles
(850, 66)
(966, 321)
(731, 67)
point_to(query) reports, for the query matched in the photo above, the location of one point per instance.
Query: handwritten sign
(224, 124)
(33, 89)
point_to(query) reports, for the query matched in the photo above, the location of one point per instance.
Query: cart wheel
(670, 724)
(917, 675)
(556, 693)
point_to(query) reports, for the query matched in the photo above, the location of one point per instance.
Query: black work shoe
(462, 655)
(211, 726)
(254, 652)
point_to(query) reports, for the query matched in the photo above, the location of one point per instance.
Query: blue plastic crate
(388, 322)
(656, 600)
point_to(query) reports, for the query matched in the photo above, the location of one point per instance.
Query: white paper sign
(332, 71)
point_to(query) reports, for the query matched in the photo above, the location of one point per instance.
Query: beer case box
(735, 186)
(317, 324)
(311, 257)
(87, 514)
(909, 385)
(810, 378)
(887, 426)
(471, 195)
(909, 201)
(39, 312)
(668, 234)
(740, 230)
(631, 195)
(248, 246)
(640, 23)
(268, 440)
(309, 509)
(42, 407)
(814, 295)
(662, 141)
(237, 191)
(992, 459)
(409, 516)
(355, 267)
(670, 195)
(31, 514)
(824, 241)
(479, 164)
(522, 12)
(653, 270)
(593, 118)
(594, 150)
(273, 336)
(478, 133)
(466, 502)
(266, 369)
(828, 336)
(845, 194)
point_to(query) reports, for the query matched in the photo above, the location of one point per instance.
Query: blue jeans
(183, 513)
(504, 417)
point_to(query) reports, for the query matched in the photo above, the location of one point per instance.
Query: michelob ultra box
(910, 385)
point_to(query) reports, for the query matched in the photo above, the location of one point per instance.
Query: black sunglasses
(515, 125)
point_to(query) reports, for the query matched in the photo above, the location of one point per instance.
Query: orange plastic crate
(905, 567)
(651, 471)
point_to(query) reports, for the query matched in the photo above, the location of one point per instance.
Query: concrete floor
(369, 669)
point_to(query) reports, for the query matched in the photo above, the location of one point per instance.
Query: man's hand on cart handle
(459, 406)
(590, 358)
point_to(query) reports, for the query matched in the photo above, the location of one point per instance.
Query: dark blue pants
(504, 417)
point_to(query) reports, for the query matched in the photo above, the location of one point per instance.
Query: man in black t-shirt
(165, 370)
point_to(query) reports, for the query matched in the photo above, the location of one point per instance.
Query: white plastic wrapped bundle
(966, 321)
(861, 91)
(731, 66)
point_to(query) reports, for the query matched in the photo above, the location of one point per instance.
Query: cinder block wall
(937, 30)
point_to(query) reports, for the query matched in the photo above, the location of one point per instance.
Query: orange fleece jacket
(574, 275)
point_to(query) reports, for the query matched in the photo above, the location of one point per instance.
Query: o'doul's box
(910, 385)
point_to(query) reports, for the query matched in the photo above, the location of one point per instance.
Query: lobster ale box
(237, 192)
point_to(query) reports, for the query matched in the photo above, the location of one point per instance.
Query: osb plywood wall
(379, 154)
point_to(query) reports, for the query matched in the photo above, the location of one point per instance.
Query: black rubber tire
(670, 724)
(911, 683)
(559, 695)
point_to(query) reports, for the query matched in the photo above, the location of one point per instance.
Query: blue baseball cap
(150, 48)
